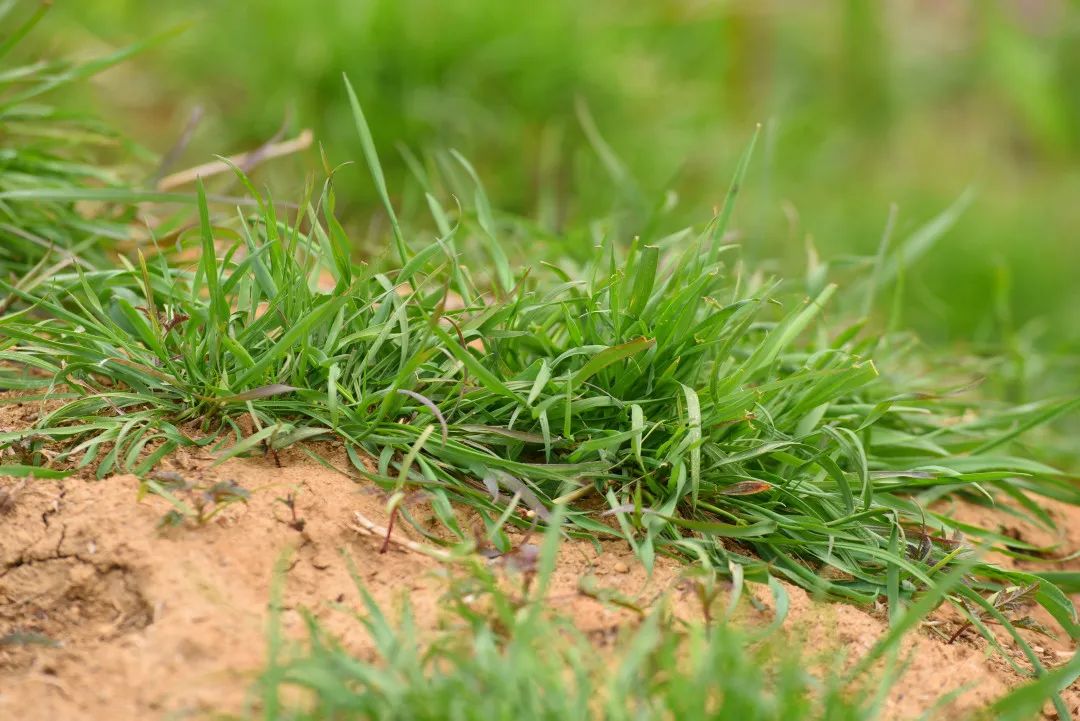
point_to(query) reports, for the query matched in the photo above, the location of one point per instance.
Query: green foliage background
(863, 104)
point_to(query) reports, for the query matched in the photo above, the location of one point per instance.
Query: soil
(105, 614)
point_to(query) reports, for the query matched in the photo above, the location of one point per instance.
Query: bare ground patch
(108, 615)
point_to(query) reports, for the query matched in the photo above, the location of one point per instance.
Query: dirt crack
(54, 508)
(58, 555)
(63, 537)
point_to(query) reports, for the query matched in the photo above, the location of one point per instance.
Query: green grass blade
(371, 155)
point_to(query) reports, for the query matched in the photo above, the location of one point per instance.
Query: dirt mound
(107, 611)
(109, 614)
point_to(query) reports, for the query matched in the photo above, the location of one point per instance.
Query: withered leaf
(746, 488)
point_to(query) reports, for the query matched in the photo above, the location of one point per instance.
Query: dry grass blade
(247, 161)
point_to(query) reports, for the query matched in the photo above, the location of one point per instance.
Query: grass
(662, 386)
(48, 149)
(501, 650)
(662, 390)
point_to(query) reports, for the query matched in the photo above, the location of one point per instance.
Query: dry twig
(245, 161)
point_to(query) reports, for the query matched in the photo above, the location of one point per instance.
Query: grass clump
(660, 391)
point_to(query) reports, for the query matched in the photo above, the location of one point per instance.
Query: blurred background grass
(863, 104)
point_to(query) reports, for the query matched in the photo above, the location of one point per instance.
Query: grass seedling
(198, 502)
(295, 522)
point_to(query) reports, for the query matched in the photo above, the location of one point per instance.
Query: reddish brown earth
(145, 623)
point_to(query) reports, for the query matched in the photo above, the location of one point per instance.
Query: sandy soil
(118, 619)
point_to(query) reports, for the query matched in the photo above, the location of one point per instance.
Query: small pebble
(621, 567)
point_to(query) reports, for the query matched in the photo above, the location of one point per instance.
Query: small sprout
(215, 499)
(706, 586)
(922, 551)
(270, 450)
(202, 502)
(523, 559)
(224, 492)
(1004, 600)
(1011, 598)
(394, 502)
(171, 480)
(296, 523)
(172, 519)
